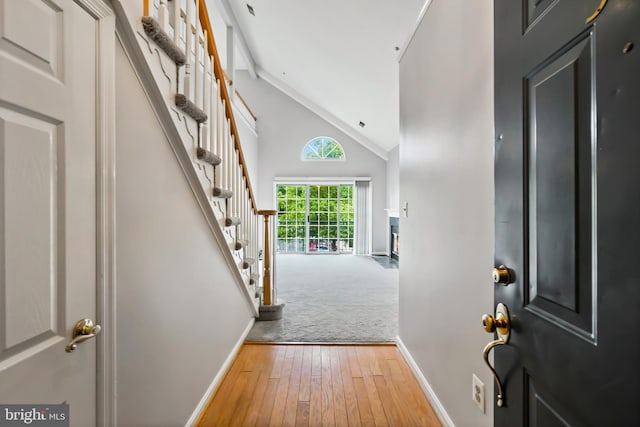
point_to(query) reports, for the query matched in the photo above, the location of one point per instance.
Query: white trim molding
(106, 413)
(219, 377)
(319, 179)
(406, 44)
(439, 409)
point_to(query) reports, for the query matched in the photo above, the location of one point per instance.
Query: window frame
(323, 159)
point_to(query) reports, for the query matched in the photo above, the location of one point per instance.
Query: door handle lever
(501, 324)
(597, 12)
(84, 330)
(485, 356)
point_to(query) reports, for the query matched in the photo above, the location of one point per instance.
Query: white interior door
(48, 211)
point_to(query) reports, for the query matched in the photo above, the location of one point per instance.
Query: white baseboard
(219, 376)
(437, 406)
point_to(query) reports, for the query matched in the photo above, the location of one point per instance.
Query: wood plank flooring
(319, 385)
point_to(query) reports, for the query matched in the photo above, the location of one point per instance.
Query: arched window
(323, 148)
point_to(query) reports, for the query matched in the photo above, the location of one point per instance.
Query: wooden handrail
(246, 105)
(219, 74)
(145, 8)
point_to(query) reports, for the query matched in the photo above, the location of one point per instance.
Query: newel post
(268, 294)
(269, 310)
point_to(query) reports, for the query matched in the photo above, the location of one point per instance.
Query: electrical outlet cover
(477, 392)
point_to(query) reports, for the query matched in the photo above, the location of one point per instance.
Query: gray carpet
(332, 298)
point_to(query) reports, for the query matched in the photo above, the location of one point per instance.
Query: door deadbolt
(502, 275)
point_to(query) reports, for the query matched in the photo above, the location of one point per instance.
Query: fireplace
(394, 237)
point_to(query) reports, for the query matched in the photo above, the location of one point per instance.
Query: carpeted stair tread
(189, 108)
(208, 157)
(162, 39)
(229, 222)
(222, 193)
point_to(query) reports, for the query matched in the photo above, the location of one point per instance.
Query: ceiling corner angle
(322, 113)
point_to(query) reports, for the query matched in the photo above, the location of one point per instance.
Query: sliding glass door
(315, 218)
(292, 218)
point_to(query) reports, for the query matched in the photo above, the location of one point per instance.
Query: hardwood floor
(319, 385)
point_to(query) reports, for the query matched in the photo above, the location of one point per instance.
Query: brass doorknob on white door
(502, 275)
(82, 331)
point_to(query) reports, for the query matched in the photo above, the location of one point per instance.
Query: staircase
(188, 77)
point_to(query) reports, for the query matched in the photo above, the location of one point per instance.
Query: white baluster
(206, 89)
(163, 15)
(229, 148)
(227, 154)
(234, 176)
(213, 118)
(188, 49)
(252, 251)
(197, 72)
(243, 224)
(244, 211)
(242, 203)
(238, 190)
(234, 181)
(219, 119)
(177, 21)
(249, 230)
(238, 186)
(205, 104)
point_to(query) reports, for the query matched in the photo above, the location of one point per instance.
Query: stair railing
(203, 94)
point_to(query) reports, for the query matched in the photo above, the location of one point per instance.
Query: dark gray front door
(567, 177)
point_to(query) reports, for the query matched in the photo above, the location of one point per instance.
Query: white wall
(284, 127)
(446, 176)
(393, 180)
(179, 311)
(219, 27)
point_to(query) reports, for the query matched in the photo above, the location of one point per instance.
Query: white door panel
(48, 203)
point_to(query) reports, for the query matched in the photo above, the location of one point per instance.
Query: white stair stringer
(157, 74)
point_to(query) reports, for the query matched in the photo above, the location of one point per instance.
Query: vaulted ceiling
(338, 57)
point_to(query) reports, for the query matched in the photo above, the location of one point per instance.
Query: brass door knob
(500, 323)
(502, 275)
(490, 323)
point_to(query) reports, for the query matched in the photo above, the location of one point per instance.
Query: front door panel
(560, 147)
(567, 211)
